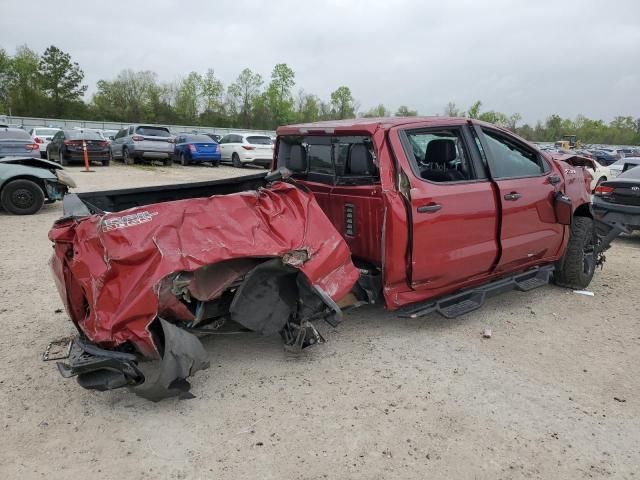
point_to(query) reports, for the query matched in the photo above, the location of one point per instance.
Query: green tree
(60, 78)
(474, 110)
(188, 98)
(307, 107)
(376, 112)
(25, 94)
(127, 98)
(452, 110)
(212, 90)
(241, 95)
(342, 103)
(279, 98)
(404, 111)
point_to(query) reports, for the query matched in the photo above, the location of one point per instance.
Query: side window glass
(320, 158)
(510, 160)
(440, 156)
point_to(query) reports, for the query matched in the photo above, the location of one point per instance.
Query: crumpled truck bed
(113, 270)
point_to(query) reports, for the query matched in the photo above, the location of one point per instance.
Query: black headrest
(361, 160)
(441, 151)
(297, 161)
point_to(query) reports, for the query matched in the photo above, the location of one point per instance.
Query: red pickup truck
(421, 214)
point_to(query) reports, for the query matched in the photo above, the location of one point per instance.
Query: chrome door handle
(430, 208)
(512, 196)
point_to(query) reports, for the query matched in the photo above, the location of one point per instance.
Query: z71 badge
(125, 221)
(569, 171)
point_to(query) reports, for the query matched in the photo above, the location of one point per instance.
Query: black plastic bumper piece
(99, 369)
(469, 300)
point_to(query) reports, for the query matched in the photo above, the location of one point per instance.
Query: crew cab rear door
(453, 210)
(529, 232)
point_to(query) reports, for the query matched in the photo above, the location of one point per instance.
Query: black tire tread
(569, 271)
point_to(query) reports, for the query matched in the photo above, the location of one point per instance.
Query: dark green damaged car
(27, 183)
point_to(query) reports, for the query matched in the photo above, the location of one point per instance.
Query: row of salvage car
(419, 214)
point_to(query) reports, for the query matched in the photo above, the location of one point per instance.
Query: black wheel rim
(22, 198)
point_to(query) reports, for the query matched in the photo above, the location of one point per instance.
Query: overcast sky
(534, 57)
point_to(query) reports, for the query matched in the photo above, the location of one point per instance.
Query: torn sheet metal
(182, 356)
(110, 268)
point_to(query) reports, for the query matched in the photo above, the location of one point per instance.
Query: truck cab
(435, 205)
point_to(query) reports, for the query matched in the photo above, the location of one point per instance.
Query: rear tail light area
(137, 138)
(171, 140)
(192, 147)
(248, 147)
(32, 146)
(77, 143)
(603, 190)
(38, 140)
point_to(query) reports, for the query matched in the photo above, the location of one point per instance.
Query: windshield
(153, 131)
(197, 139)
(256, 140)
(86, 135)
(14, 135)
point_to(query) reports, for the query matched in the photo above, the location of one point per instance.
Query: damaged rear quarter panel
(108, 267)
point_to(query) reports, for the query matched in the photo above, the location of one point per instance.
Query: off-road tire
(577, 266)
(168, 162)
(22, 197)
(184, 160)
(235, 161)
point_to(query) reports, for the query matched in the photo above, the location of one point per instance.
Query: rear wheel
(48, 155)
(22, 197)
(63, 160)
(235, 160)
(183, 159)
(126, 157)
(168, 162)
(578, 265)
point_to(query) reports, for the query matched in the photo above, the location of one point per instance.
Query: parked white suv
(143, 141)
(42, 136)
(247, 148)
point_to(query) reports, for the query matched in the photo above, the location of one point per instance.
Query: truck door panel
(453, 210)
(529, 230)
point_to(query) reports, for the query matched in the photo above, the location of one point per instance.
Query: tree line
(51, 86)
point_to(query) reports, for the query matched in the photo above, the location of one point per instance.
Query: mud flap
(183, 356)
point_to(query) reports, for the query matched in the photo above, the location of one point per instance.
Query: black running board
(467, 301)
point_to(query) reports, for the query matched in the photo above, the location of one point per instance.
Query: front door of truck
(453, 208)
(529, 231)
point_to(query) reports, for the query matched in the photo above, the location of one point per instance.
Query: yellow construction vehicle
(568, 142)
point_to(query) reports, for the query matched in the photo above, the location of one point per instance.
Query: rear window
(14, 135)
(256, 140)
(45, 131)
(153, 131)
(328, 159)
(197, 139)
(86, 135)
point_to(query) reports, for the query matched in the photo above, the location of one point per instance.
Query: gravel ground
(553, 394)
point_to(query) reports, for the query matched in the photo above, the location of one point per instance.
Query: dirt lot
(554, 394)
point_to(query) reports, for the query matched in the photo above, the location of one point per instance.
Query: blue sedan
(192, 148)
